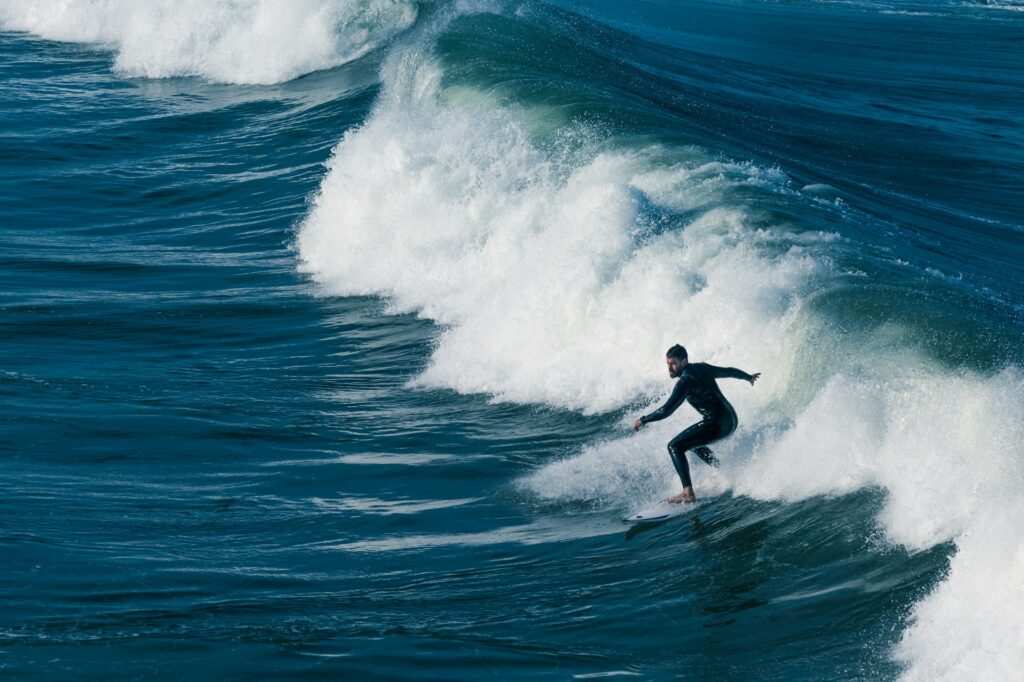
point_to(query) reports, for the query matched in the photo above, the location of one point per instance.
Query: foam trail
(541, 258)
(229, 41)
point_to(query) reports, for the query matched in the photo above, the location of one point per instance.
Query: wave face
(334, 368)
(226, 41)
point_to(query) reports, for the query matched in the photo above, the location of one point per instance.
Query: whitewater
(560, 225)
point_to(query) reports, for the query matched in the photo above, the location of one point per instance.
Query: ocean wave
(557, 279)
(552, 281)
(229, 41)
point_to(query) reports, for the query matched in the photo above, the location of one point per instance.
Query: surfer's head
(676, 359)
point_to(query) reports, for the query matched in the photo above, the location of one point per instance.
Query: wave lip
(226, 41)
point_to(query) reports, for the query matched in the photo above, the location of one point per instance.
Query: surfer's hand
(637, 424)
(754, 377)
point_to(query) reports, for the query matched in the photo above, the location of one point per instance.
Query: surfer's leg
(695, 437)
(678, 456)
(692, 438)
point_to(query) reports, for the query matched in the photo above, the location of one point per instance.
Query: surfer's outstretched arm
(670, 406)
(732, 373)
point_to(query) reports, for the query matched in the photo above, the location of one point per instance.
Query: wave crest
(228, 41)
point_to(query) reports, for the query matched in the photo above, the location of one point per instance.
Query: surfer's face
(675, 367)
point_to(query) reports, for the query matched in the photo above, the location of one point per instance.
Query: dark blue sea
(323, 325)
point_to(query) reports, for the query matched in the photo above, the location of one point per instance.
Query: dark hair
(677, 352)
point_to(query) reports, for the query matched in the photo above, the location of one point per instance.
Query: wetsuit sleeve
(673, 402)
(728, 373)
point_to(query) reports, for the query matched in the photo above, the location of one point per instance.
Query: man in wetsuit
(697, 385)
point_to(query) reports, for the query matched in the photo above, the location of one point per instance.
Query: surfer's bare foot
(686, 496)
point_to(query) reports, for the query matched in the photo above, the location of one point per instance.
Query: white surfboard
(661, 511)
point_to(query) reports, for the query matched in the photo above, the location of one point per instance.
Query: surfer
(696, 383)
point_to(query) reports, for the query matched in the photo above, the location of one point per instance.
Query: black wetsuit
(697, 385)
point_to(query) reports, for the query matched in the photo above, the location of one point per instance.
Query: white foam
(969, 627)
(624, 474)
(231, 41)
(537, 261)
(553, 286)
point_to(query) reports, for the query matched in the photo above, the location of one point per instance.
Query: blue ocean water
(324, 323)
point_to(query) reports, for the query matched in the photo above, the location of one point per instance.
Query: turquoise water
(324, 324)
